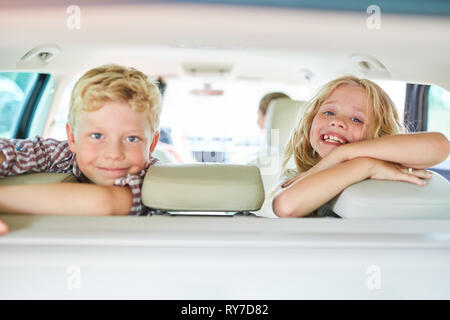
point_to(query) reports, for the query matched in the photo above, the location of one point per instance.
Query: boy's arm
(312, 191)
(19, 156)
(66, 199)
(415, 150)
(38, 155)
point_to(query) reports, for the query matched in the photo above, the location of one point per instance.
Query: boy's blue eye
(133, 139)
(328, 113)
(96, 135)
(356, 120)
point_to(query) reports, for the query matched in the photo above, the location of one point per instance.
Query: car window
(15, 88)
(438, 119)
(57, 127)
(42, 109)
(397, 92)
(439, 110)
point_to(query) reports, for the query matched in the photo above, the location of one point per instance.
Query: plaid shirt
(50, 155)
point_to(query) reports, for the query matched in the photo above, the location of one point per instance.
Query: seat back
(281, 116)
(280, 120)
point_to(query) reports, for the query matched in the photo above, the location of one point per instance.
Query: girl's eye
(328, 113)
(356, 120)
(96, 136)
(133, 139)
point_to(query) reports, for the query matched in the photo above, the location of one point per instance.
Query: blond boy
(111, 134)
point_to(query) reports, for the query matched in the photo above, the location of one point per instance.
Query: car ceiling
(258, 42)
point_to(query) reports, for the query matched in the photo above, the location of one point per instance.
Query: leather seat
(280, 119)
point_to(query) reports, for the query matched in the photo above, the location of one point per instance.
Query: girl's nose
(338, 122)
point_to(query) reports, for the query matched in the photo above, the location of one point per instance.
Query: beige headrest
(282, 115)
(379, 199)
(38, 178)
(203, 187)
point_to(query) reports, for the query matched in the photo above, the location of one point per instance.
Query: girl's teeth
(332, 139)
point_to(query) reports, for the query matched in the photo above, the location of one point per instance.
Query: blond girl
(350, 131)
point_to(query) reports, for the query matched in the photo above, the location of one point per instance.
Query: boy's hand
(2, 157)
(383, 170)
(3, 228)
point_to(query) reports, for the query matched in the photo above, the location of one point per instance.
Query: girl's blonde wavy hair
(386, 120)
(116, 83)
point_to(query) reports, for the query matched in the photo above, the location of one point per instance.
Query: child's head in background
(113, 121)
(345, 110)
(264, 106)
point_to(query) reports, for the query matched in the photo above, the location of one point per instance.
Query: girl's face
(340, 120)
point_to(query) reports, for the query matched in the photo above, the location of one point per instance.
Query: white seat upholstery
(203, 187)
(378, 199)
(280, 119)
(282, 116)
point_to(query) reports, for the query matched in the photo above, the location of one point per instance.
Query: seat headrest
(281, 115)
(379, 199)
(203, 187)
(38, 178)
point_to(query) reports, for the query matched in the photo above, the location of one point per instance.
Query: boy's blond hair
(386, 120)
(116, 83)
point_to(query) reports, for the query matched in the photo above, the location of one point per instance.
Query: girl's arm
(411, 150)
(415, 150)
(66, 199)
(313, 190)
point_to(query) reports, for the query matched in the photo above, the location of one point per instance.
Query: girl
(350, 131)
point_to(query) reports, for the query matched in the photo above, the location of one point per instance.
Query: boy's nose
(114, 151)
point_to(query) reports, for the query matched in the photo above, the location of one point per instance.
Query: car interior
(211, 232)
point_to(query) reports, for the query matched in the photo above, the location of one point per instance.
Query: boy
(111, 134)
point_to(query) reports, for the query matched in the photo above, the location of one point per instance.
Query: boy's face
(340, 120)
(111, 142)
